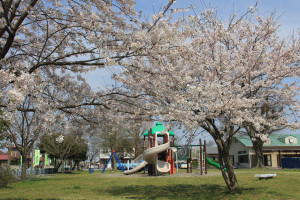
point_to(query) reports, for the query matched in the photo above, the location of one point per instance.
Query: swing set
(117, 159)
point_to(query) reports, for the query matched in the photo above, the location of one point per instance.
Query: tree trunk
(76, 164)
(24, 165)
(228, 174)
(56, 167)
(73, 167)
(8, 156)
(113, 162)
(62, 166)
(91, 160)
(43, 161)
(257, 145)
(32, 161)
(138, 149)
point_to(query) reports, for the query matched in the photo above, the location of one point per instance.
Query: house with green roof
(276, 147)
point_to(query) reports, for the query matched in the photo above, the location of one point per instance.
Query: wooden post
(144, 143)
(205, 155)
(187, 165)
(151, 169)
(279, 158)
(8, 155)
(201, 163)
(187, 161)
(191, 160)
(149, 138)
(144, 150)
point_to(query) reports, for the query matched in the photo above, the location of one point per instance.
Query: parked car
(183, 166)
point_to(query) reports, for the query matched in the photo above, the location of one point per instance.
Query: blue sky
(287, 10)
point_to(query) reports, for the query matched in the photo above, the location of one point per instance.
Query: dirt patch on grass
(197, 174)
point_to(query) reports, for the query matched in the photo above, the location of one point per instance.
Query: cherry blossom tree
(45, 43)
(270, 111)
(64, 146)
(3, 129)
(45, 46)
(116, 138)
(216, 75)
(23, 131)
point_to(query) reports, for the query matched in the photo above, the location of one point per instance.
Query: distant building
(14, 157)
(3, 158)
(211, 152)
(278, 146)
(106, 152)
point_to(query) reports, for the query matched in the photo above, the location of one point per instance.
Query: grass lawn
(114, 185)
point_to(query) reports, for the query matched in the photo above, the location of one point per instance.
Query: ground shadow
(179, 191)
(29, 199)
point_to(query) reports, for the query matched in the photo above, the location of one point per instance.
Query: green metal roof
(244, 139)
(275, 140)
(158, 128)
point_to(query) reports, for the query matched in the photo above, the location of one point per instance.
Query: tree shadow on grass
(179, 191)
(29, 199)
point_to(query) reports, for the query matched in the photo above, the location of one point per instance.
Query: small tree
(24, 130)
(94, 148)
(135, 130)
(63, 146)
(78, 152)
(117, 139)
(270, 111)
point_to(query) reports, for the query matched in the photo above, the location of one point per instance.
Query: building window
(243, 159)
(267, 160)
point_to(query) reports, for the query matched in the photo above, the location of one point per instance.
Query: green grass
(113, 185)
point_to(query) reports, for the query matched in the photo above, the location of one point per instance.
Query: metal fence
(36, 171)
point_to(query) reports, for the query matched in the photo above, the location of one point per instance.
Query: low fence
(36, 171)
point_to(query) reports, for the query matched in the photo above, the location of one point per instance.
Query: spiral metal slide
(150, 157)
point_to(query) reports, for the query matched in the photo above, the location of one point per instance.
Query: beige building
(277, 147)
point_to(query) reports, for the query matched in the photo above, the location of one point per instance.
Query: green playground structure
(216, 165)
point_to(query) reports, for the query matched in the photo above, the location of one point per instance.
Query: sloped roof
(275, 139)
(212, 150)
(158, 128)
(244, 139)
(3, 157)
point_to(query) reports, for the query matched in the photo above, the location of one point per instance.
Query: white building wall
(238, 149)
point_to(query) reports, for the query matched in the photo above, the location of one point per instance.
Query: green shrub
(195, 163)
(6, 177)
